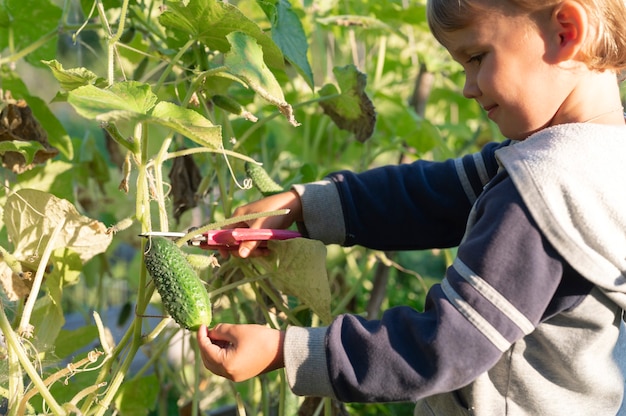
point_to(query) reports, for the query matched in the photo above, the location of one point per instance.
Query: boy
(527, 319)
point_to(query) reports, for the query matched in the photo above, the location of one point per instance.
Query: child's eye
(475, 58)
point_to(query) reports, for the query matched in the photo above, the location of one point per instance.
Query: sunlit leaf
(289, 35)
(135, 102)
(70, 79)
(189, 123)
(210, 21)
(55, 177)
(350, 109)
(246, 61)
(30, 216)
(122, 101)
(65, 268)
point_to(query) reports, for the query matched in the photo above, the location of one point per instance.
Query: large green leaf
(210, 21)
(297, 267)
(124, 100)
(245, 60)
(28, 22)
(135, 102)
(289, 35)
(72, 78)
(351, 109)
(69, 341)
(189, 123)
(31, 216)
(47, 319)
(138, 396)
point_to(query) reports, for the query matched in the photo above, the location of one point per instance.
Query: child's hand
(285, 200)
(240, 352)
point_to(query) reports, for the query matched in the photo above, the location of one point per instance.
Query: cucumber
(182, 292)
(262, 180)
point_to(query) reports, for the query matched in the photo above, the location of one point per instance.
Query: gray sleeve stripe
(465, 182)
(493, 296)
(474, 317)
(479, 161)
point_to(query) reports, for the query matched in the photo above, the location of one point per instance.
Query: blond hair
(604, 50)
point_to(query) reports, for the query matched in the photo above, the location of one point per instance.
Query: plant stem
(143, 206)
(14, 347)
(24, 327)
(158, 179)
(195, 401)
(16, 381)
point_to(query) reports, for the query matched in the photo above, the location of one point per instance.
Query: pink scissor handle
(230, 239)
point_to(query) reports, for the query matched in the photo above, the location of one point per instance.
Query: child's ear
(571, 25)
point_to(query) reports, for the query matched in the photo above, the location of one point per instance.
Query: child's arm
(399, 207)
(412, 206)
(507, 278)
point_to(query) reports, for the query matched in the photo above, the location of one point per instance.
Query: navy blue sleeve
(413, 206)
(408, 355)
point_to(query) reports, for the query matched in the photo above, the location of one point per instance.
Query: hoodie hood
(573, 179)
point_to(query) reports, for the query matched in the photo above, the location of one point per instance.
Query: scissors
(228, 239)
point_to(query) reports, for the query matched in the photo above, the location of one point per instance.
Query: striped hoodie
(527, 319)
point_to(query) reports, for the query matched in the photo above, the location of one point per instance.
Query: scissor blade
(168, 234)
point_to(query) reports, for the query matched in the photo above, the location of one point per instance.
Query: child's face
(506, 60)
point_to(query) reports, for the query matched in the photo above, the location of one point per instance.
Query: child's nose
(470, 89)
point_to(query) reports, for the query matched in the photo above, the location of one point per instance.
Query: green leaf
(5, 18)
(245, 60)
(134, 102)
(189, 123)
(27, 149)
(352, 109)
(210, 21)
(70, 341)
(426, 137)
(30, 21)
(298, 268)
(289, 35)
(124, 100)
(65, 270)
(55, 177)
(48, 320)
(70, 79)
(138, 396)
